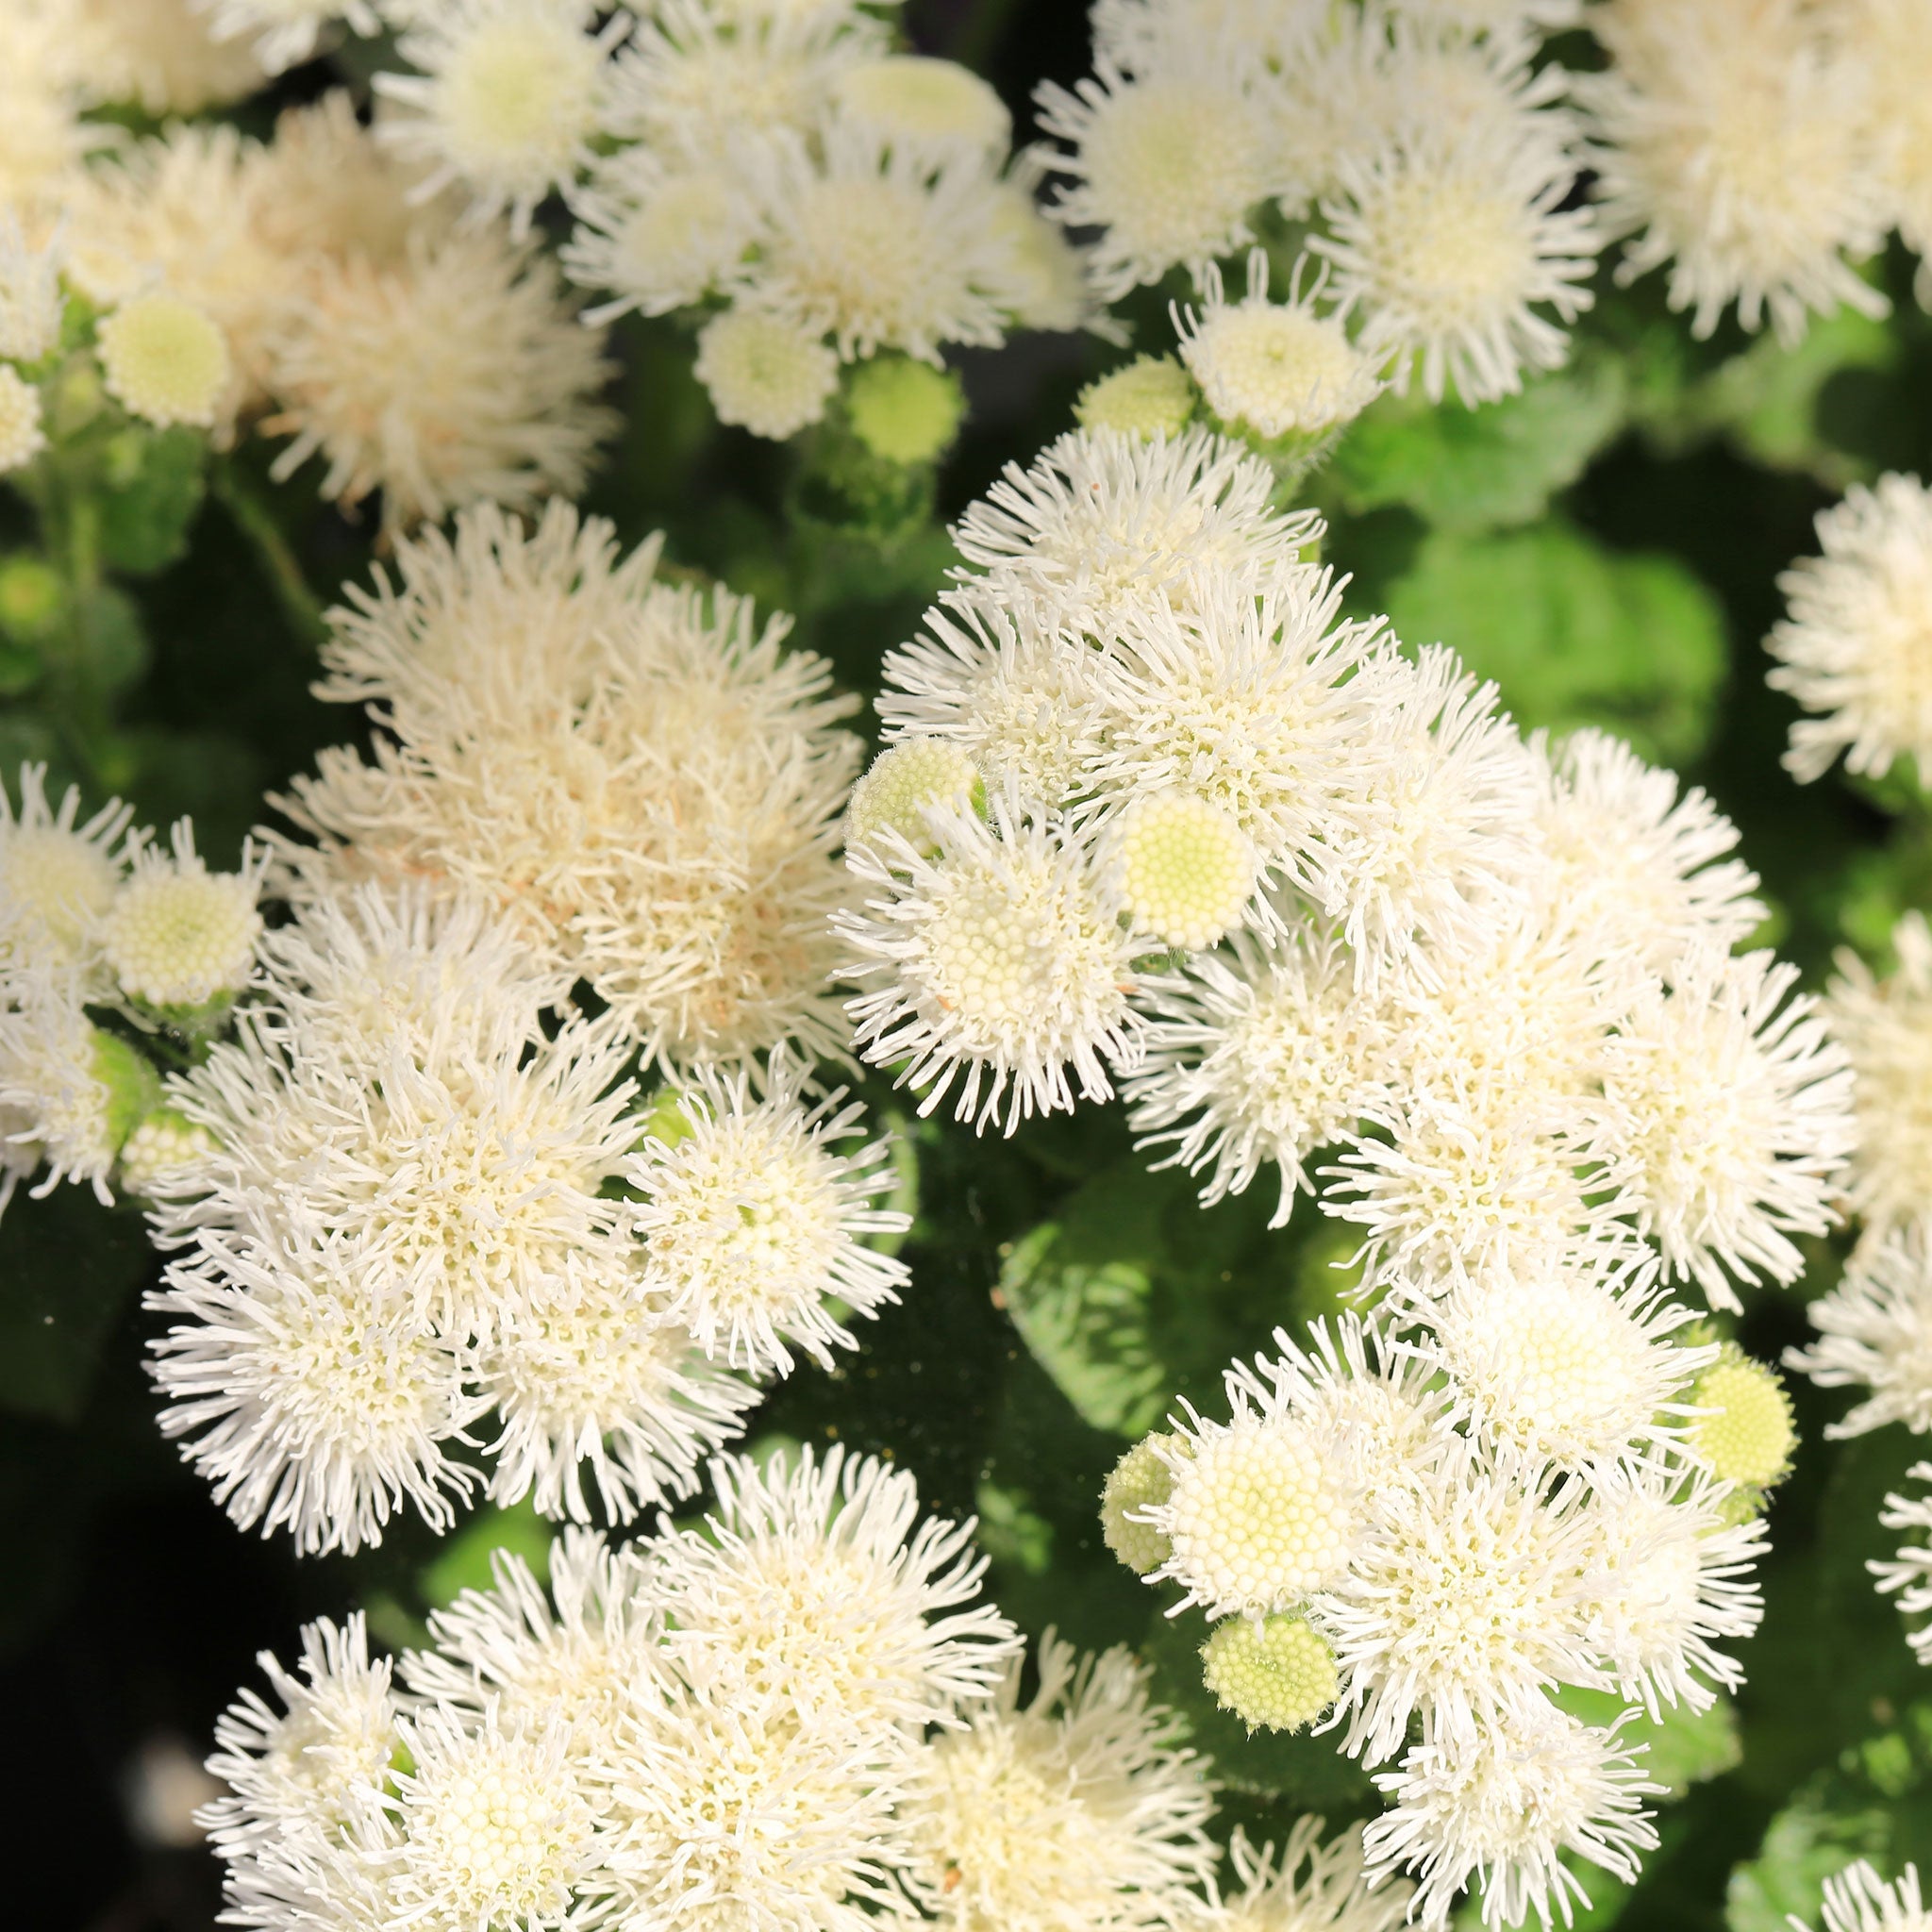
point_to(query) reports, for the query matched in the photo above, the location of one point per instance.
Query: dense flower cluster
(100, 924)
(796, 1717)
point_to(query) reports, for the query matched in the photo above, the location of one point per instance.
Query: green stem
(256, 520)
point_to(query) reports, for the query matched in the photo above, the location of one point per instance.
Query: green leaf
(154, 484)
(1821, 1832)
(464, 1563)
(67, 1268)
(1574, 633)
(1485, 468)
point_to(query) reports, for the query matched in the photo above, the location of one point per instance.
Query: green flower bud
(1275, 1675)
(1152, 396)
(1139, 1480)
(904, 411)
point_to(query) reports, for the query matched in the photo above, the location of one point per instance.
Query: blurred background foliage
(1604, 546)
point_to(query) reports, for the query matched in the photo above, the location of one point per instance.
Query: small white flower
(1908, 1576)
(1858, 1900)
(1875, 1329)
(178, 935)
(764, 373)
(164, 359)
(658, 235)
(22, 437)
(1316, 1887)
(1855, 648)
(924, 106)
(284, 33)
(31, 298)
(58, 873)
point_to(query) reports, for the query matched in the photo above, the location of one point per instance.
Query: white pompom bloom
(657, 234)
(1875, 1331)
(1575, 1370)
(1856, 641)
(1458, 1606)
(1259, 1056)
(1275, 368)
(31, 298)
(307, 1402)
(1452, 247)
(284, 33)
(1078, 1809)
(178, 935)
(811, 1589)
(510, 95)
(1894, 39)
(1501, 1813)
(294, 1772)
(498, 1825)
(1169, 167)
(1263, 1513)
(1314, 1888)
(1665, 1580)
(58, 872)
(1185, 868)
(165, 361)
(755, 1222)
(22, 437)
(1736, 145)
(924, 106)
(1908, 1576)
(764, 373)
(1003, 961)
(1730, 1107)
(1101, 523)
(1858, 1900)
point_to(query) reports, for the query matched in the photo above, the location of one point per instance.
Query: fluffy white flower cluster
(1296, 889)
(94, 915)
(307, 287)
(1433, 163)
(826, 198)
(1425, 1534)
(795, 1718)
(425, 1199)
(634, 772)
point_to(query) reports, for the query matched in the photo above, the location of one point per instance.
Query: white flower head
(70, 1093)
(764, 373)
(509, 96)
(811, 1589)
(1858, 1900)
(178, 935)
(1260, 1053)
(165, 359)
(284, 33)
(58, 872)
(1908, 1576)
(656, 235)
(1855, 648)
(1003, 961)
(31, 299)
(936, 108)
(1322, 1888)
(1077, 1809)
(22, 435)
(1875, 1331)
(1502, 1811)
(755, 1222)
(1275, 368)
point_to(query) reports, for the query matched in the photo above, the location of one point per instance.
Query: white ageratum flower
(1452, 246)
(1875, 1330)
(1185, 869)
(872, 246)
(1501, 1812)
(1665, 1579)
(810, 1590)
(511, 96)
(756, 1224)
(1854, 647)
(1264, 1512)
(1313, 1886)
(1259, 1054)
(1574, 1369)
(1275, 368)
(70, 1093)
(1730, 1107)
(1002, 961)
(1459, 1606)
(1077, 1808)
(498, 1825)
(294, 1772)
(31, 298)
(178, 935)
(764, 373)
(657, 234)
(285, 33)
(1908, 1576)
(1736, 145)
(1858, 1900)
(452, 374)
(58, 873)
(924, 105)
(22, 435)
(1101, 523)
(165, 361)
(1169, 167)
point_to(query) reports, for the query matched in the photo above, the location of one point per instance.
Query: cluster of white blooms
(94, 915)
(821, 198)
(1854, 649)
(796, 1717)
(1416, 1537)
(1433, 163)
(308, 286)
